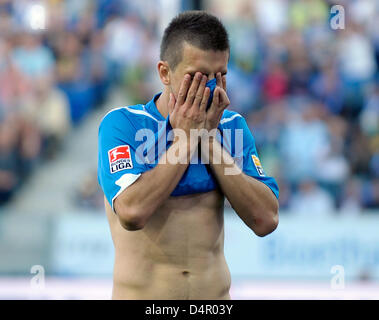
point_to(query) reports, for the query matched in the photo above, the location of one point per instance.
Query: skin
(172, 247)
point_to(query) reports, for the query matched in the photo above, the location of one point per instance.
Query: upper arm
(119, 165)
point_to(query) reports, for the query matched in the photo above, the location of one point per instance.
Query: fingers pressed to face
(220, 99)
(200, 91)
(204, 100)
(219, 79)
(171, 103)
(223, 98)
(193, 88)
(216, 97)
(183, 89)
(224, 82)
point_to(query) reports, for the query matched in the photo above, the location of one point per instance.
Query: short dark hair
(199, 29)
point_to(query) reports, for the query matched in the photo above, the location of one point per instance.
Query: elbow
(132, 218)
(131, 223)
(267, 225)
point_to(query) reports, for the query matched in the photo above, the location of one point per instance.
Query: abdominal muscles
(177, 255)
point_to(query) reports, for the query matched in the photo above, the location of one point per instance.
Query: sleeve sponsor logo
(258, 165)
(120, 159)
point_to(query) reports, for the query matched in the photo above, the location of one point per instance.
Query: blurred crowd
(58, 61)
(310, 93)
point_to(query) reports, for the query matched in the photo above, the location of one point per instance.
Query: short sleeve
(119, 165)
(241, 145)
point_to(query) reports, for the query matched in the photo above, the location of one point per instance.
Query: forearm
(142, 198)
(252, 200)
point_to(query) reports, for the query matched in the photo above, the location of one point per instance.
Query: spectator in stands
(326, 86)
(123, 41)
(351, 197)
(97, 66)
(9, 157)
(72, 77)
(48, 109)
(333, 169)
(30, 146)
(31, 57)
(13, 84)
(356, 59)
(304, 143)
(371, 194)
(275, 81)
(369, 117)
(310, 200)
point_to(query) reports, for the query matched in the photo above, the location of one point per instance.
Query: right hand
(189, 110)
(219, 104)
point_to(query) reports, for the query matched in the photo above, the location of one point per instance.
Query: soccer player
(165, 210)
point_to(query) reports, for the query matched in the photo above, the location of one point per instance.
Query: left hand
(219, 103)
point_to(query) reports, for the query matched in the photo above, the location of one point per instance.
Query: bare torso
(179, 254)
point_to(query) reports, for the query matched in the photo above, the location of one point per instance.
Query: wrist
(209, 145)
(212, 147)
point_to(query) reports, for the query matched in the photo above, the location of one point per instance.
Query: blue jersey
(132, 139)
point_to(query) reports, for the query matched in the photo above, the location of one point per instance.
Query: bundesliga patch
(120, 159)
(258, 165)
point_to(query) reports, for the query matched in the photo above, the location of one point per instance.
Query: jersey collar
(151, 107)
